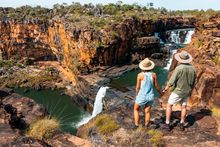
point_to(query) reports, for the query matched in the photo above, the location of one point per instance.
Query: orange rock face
(205, 48)
(24, 40)
(52, 40)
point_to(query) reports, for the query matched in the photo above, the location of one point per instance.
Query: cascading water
(157, 35)
(189, 36)
(177, 38)
(167, 67)
(180, 36)
(98, 106)
(174, 37)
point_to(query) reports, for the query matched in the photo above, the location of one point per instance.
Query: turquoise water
(58, 106)
(130, 78)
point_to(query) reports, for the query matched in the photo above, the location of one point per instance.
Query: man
(182, 81)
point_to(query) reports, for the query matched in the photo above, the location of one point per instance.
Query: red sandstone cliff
(206, 53)
(85, 46)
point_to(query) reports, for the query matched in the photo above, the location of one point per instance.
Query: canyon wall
(204, 48)
(85, 47)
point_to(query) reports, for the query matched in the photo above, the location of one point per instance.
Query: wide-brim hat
(146, 64)
(183, 57)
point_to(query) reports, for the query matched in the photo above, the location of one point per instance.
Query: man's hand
(165, 89)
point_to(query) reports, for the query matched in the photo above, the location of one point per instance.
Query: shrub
(105, 124)
(155, 137)
(43, 128)
(7, 63)
(199, 43)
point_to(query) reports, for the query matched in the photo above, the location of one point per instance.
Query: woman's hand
(165, 89)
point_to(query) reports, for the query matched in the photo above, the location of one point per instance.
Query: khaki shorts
(175, 99)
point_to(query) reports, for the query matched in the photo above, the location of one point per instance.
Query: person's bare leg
(136, 114)
(147, 111)
(183, 114)
(168, 113)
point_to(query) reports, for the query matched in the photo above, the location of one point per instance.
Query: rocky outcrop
(16, 74)
(201, 129)
(205, 51)
(16, 114)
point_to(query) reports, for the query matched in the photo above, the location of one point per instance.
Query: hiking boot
(134, 127)
(181, 126)
(151, 126)
(166, 127)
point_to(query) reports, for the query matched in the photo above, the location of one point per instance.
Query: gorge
(58, 54)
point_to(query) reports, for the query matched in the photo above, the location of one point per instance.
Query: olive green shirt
(183, 80)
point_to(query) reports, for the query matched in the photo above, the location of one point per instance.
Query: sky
(168, 4)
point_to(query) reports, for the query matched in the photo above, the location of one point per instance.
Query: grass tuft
(43, 128)
(106, 124)
(216, 112)
(155, 137)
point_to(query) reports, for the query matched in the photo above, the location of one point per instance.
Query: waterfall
(98, 101)
(189, 36)
(98, 106)
(167, 67)
(156, 34)
(180, 36)
(176, 37)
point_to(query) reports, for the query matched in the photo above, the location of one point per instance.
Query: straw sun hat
(146, 64)
(183, 57)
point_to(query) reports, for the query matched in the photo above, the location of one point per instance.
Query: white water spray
(98, 106)
(157, 35)
(167, 67)
(175, 38)
(189, 36)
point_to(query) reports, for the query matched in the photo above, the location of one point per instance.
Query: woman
(146, 80)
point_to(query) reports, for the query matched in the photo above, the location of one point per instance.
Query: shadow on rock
(15, 121)
(193, 117)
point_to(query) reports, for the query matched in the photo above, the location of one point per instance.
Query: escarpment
(84, 47)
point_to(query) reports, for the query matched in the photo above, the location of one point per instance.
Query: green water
(58, 106)
(130, 78)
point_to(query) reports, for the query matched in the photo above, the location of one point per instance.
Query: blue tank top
(146, 92)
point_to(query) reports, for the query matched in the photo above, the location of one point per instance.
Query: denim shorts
(149, 103)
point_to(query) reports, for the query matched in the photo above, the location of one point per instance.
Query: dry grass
(216, 112)
(43, 128)
(217, 60)
(106, 124)
(155, 137)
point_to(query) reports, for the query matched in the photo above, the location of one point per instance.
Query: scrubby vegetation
(14, 74)
(97, 16)
(217, 60)
(155, 137)
(216, 112)
(43, 128)
(9, 63)
(106, 124)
